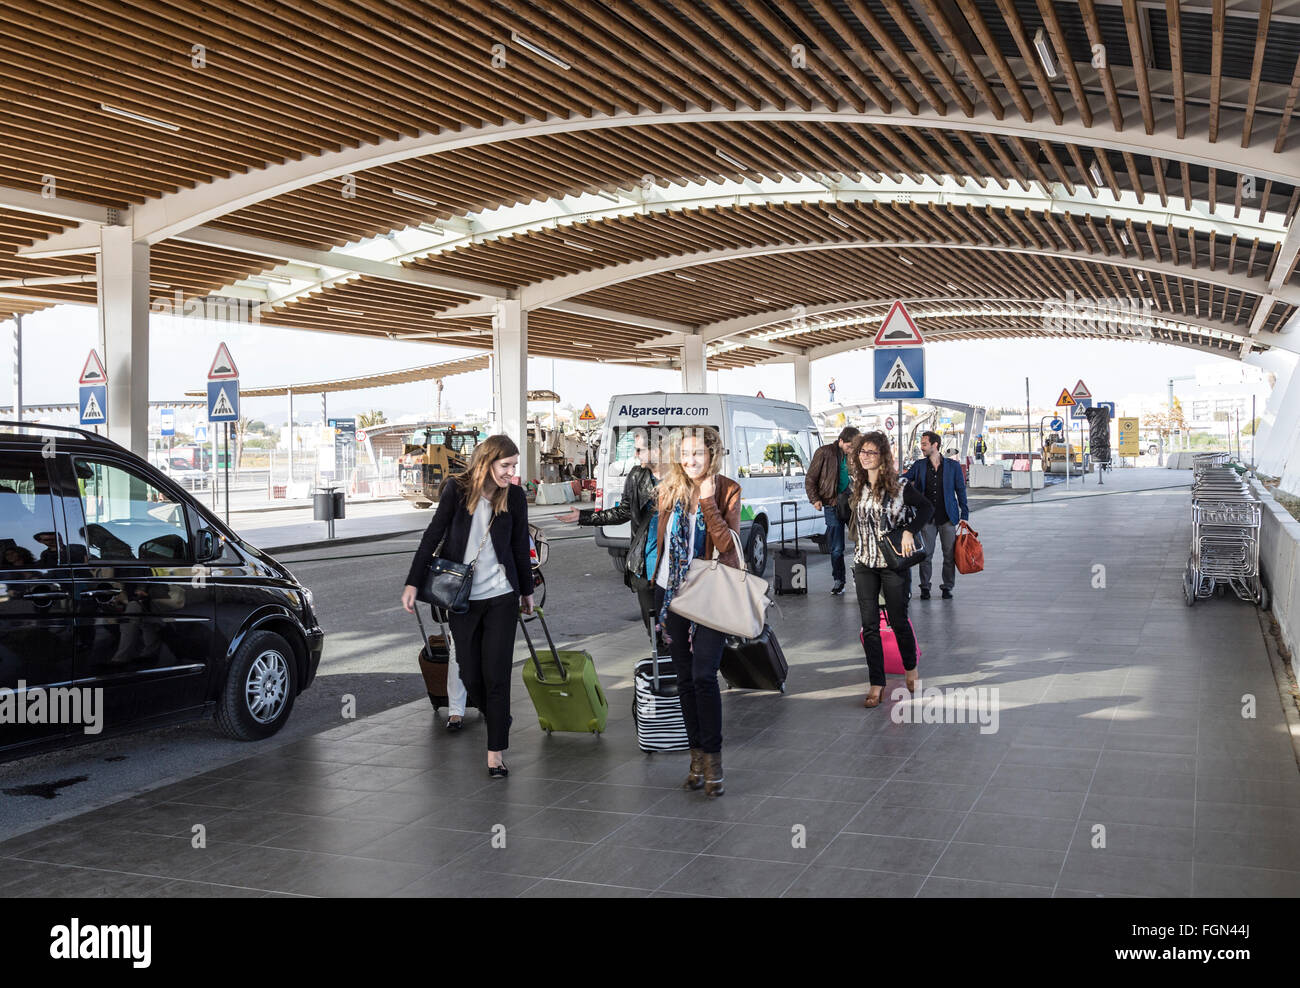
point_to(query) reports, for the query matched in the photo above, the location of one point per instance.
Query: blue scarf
(676, 562)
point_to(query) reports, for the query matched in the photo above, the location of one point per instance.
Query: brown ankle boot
(695, 777)
(713, 775)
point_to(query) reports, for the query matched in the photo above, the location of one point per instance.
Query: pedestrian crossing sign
(223, 401)
(899, 372)
(93, 404)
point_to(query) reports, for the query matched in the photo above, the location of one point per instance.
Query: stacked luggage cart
(1225, 533)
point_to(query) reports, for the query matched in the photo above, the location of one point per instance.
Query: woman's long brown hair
(886, 486)
(676, 485)
(475, 481)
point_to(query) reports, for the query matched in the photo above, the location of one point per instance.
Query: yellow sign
(1065, 400)
(587, 415)
(1128, 437)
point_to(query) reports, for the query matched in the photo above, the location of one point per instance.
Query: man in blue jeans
(827, 476)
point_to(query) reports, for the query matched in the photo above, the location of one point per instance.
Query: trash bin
(328, 504)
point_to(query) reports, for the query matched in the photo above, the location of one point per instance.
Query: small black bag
(891, 544)
(448, 583)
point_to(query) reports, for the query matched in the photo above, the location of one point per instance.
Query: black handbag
(891, 544)
(448, 583)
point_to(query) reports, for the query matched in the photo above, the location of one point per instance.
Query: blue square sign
(223, 401)
(93, 404)
(900, 372)
(1080, 409)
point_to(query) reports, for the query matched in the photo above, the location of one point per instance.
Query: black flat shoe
(500, 772)
(456, 725)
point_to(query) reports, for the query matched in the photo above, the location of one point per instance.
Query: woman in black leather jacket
(636, 506)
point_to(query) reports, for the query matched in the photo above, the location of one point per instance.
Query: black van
(125, 604)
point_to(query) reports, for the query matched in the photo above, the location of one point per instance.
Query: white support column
(1281, 415)
(803, 380)
(18, 367)
(123, 267)
(510, 370)
(694, 366)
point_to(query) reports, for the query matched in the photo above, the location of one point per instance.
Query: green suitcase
(565, 691)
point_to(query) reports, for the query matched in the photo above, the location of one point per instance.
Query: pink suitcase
(893, 658)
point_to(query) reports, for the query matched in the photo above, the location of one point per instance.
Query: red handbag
(967, 550)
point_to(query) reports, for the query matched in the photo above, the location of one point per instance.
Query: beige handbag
(733, 601)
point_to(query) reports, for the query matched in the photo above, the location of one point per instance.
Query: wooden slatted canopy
(407, 375)
(291, 127)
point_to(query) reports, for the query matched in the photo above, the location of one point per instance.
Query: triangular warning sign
(898, 378)
(1081, 390)
(1065, 400)
(93, 371)
(587, 415)
(92, 412)
(760, 395)
(223, 367)
(898, 329)
(222, 405)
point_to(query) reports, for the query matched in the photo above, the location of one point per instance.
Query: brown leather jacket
(823, 478)
(721, 513)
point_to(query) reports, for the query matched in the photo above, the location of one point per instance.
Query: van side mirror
(209, 545)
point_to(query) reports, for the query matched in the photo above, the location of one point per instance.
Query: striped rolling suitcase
(565, 692)
(656, 707)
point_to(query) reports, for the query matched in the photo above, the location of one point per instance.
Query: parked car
(113, 578)
(769, 447)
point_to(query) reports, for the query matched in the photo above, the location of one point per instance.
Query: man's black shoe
(838, 588)
(925, 593)
(947, 595)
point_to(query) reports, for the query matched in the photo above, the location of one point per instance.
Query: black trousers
(696, 665)
(485, 650)
(870, 583)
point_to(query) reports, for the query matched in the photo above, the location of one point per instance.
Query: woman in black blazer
(483, 518)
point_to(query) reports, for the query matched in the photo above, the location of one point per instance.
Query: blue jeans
(835, 535)
(696, 665)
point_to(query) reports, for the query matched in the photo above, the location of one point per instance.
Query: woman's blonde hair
(676, 485)
(475, 480)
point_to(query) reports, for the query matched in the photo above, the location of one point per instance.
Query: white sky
(56, 342)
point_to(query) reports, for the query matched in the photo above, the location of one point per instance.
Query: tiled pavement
(1120, 708)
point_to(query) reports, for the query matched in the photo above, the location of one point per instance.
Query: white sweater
(490, 579)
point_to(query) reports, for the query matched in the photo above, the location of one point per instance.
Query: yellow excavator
(429, 456)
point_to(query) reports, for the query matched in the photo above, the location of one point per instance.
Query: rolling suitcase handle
(795, 505)
(541, 678)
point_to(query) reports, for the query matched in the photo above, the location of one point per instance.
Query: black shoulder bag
(891, 547)
(448, 583)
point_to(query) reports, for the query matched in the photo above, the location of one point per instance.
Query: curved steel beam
(164, 217)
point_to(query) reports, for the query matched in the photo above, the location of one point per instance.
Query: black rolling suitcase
(656, 707)
(755, 663)
(792, 562)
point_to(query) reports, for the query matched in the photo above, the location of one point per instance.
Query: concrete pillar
(694, 366)
(1281, 420)
(510, 370)
(18, 367)
(123, 267)
(803, 380)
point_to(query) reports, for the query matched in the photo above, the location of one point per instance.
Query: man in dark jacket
(636, 506)
(942, 482)
(827, 476)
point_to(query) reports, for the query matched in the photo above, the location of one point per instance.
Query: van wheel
(619, 559)
(260, 688)
(756, 548)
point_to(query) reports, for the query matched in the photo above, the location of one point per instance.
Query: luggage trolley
(1225, 534)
